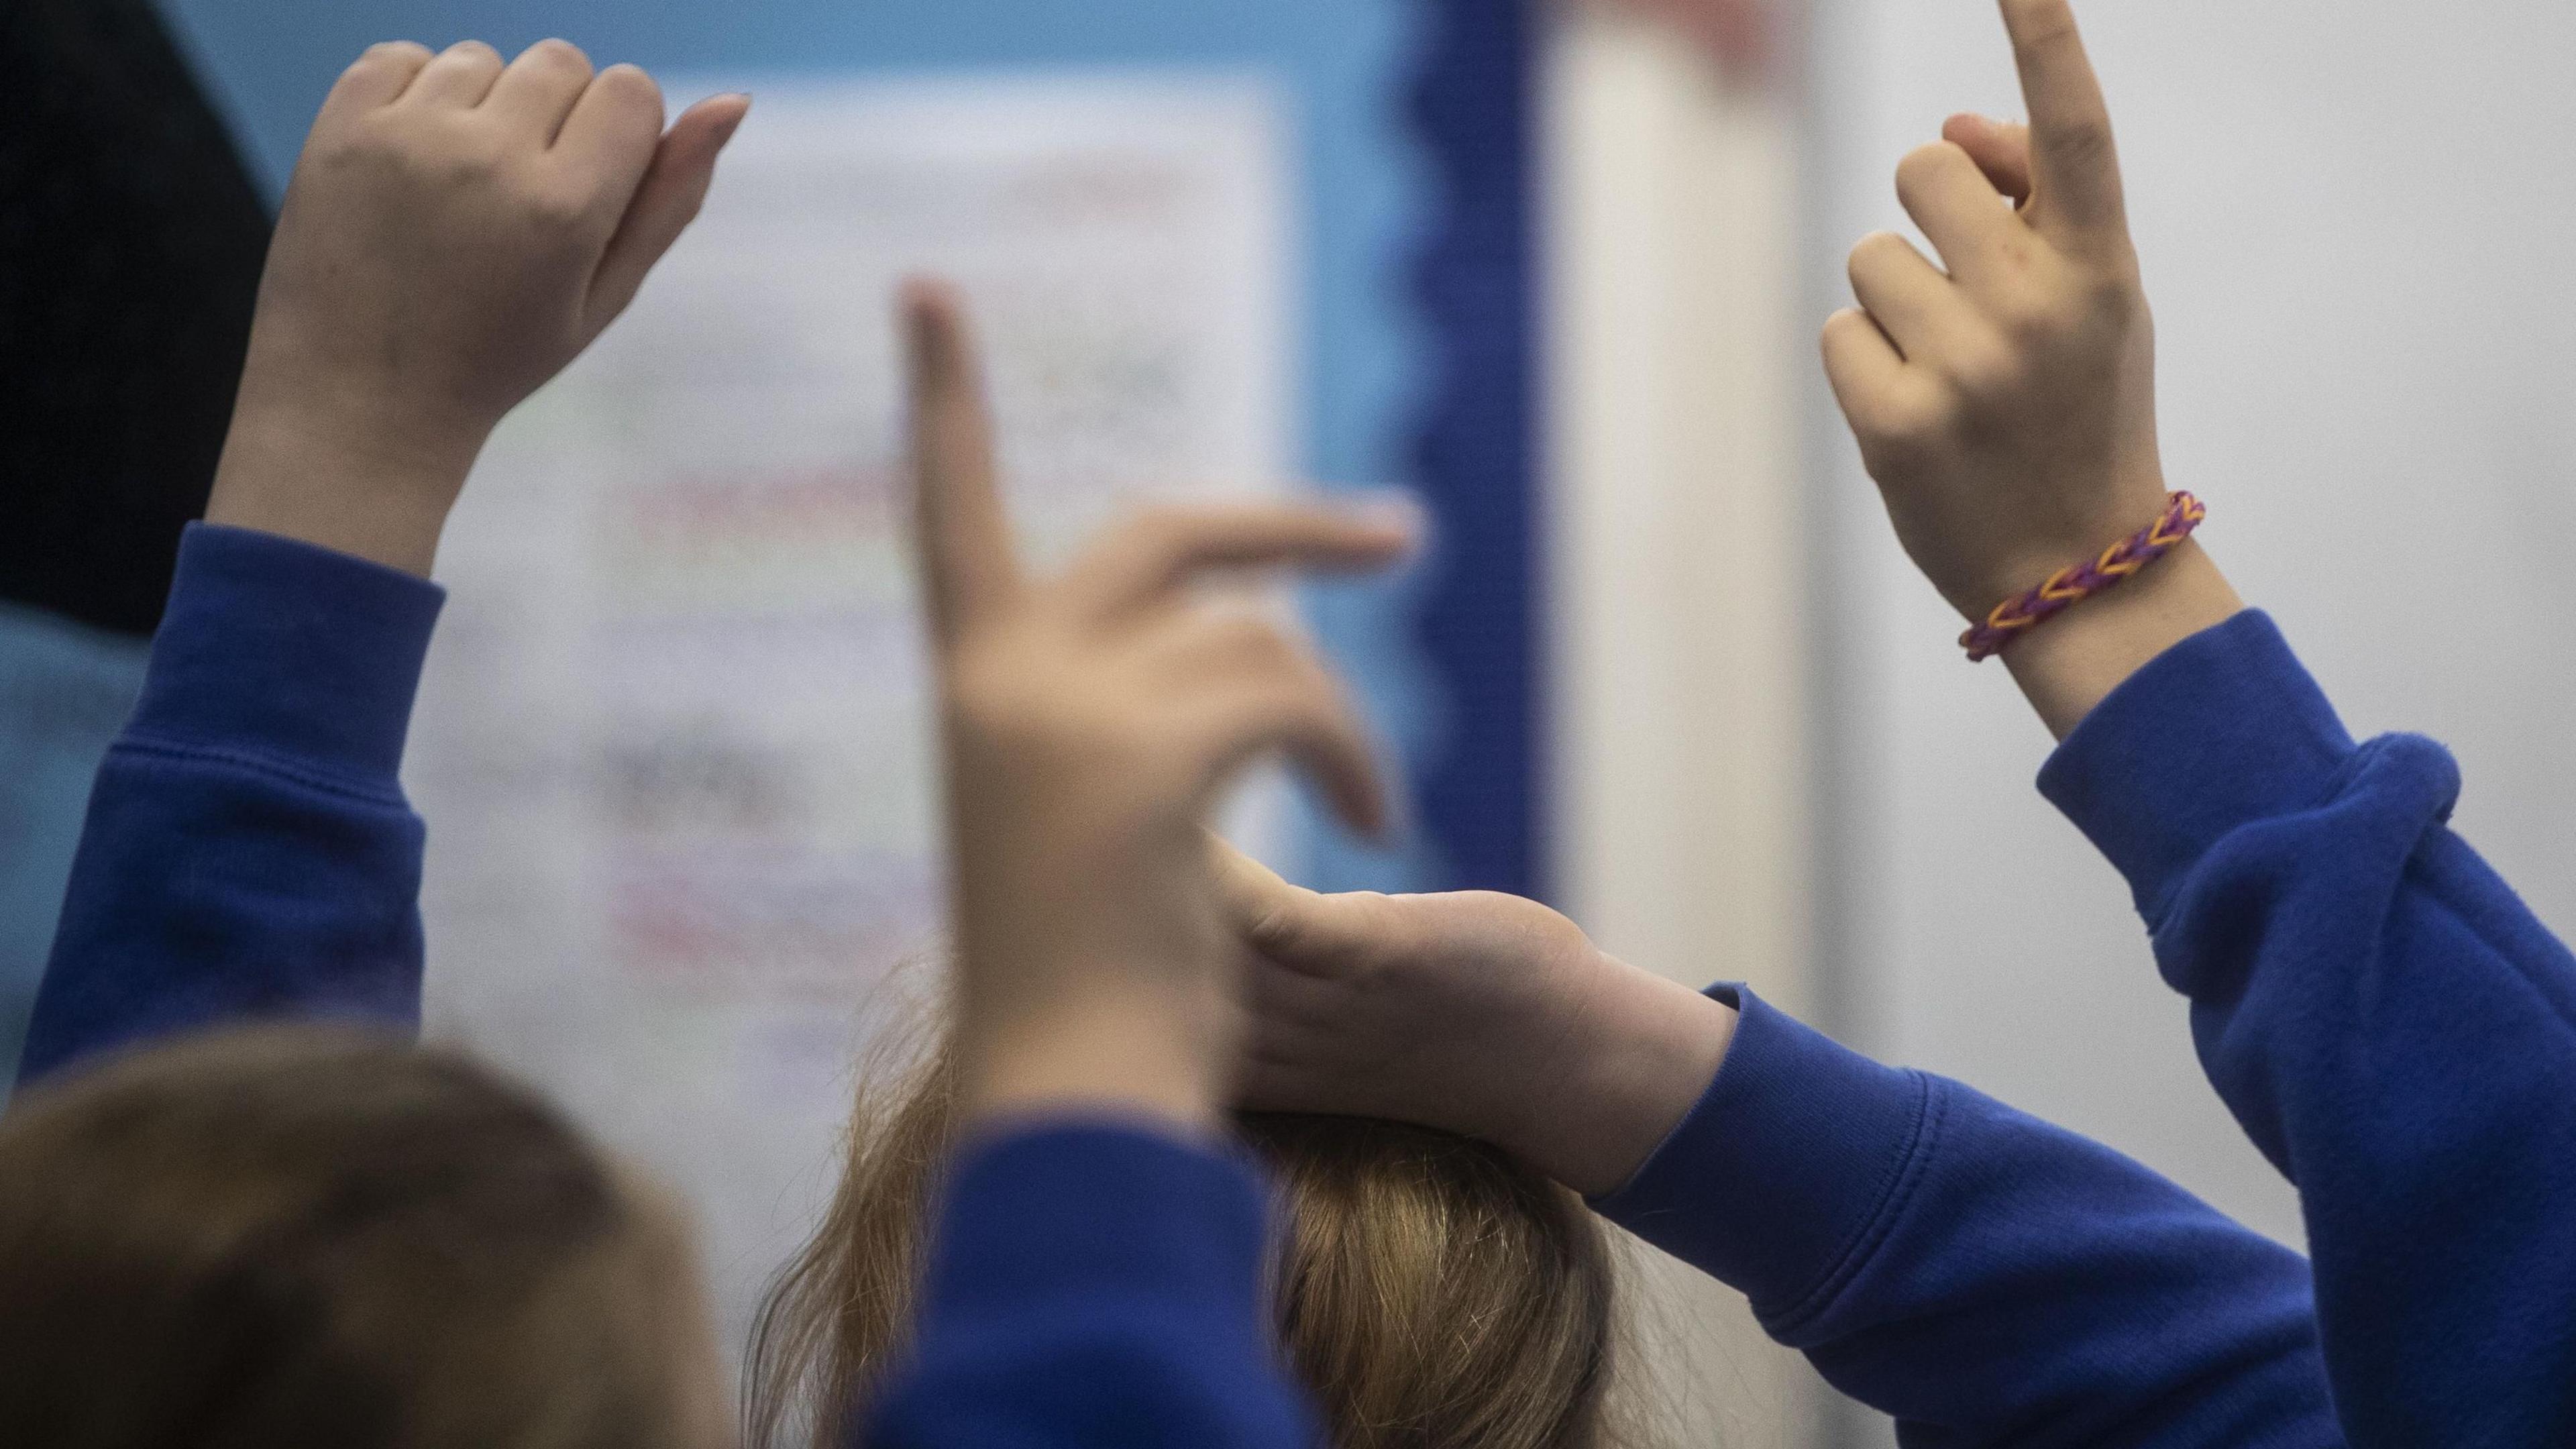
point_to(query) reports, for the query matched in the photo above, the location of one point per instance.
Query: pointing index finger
(2075, 168)
(963, 536)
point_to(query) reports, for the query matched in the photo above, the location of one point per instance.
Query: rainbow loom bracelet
(2074, 583)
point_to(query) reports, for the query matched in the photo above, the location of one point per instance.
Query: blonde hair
(326, 1239)
(1430, 1291)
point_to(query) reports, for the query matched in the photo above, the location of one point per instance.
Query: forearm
(1985, 1278)
(2391, 1026)
(1637, 1056)
(248, 851)
(357, 474)
(1151, 1056)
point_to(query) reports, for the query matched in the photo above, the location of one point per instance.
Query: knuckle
(2111, 293)
(1847, 327)
(2083, 144)
(1925, 165)
(1390, 935)
(385, 51)
(1984, 369)
(1906, 427)
(2030, 316)
(1272, 927)
(2016, 254)
(631, 82)
(460, 169)
(1874, 251)
(558, 209)
(559, 53)
(344, 149)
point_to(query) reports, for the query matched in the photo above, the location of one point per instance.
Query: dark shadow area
(131, 239)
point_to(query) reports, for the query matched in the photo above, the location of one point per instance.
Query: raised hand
(1090, 721)
(1478, 1013)
(457, 230)
(2005, 399)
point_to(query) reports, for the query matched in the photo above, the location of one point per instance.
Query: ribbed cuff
(1784, 1177)
(1083, 1210)
(289, 651)
(2223, 729)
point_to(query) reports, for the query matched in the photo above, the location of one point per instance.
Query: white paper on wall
(673, 743)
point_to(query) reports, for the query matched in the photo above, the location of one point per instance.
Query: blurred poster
(674, 744)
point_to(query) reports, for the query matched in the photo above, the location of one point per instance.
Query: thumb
(666, 201)
(1292, 926)
(1260, 905)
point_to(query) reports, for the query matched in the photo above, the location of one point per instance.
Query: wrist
(365, 478)
(1142, 1054)
(2072, 662)
(1641, 1053)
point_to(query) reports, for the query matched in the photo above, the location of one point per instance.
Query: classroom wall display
(676, 737)
(673, 748)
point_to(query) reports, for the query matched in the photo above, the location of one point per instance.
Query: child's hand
(2007, 407)
(2005, 401)
(1090, 722)
(456, 232)
(1478, 1013)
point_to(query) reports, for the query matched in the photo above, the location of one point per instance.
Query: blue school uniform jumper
(2386, 1020)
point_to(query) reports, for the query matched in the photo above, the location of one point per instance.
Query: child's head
(324, 1239)
(1431, 1292)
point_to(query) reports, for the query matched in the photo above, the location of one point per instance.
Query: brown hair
(319, 1238)
(1431, 1291)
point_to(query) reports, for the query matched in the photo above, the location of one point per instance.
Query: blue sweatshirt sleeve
(248, 851)
(2390, 1024)
(1093, 1285)
(1981, 1276)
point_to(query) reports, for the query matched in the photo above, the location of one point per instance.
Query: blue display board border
(1473, 102)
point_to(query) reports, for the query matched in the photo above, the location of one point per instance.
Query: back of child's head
(1431, 1292)
(330, 1240)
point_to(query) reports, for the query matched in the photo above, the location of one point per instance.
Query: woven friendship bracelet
(2075, 583)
